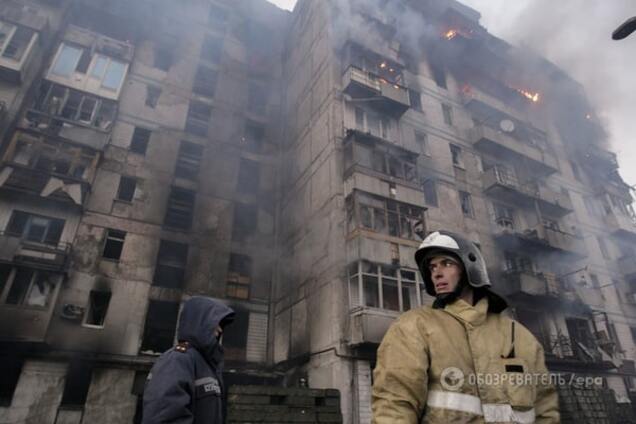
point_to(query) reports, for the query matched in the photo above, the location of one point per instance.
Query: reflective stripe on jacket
(460, 365)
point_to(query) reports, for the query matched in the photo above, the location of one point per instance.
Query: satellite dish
(507, 125)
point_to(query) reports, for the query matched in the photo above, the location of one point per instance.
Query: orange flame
(531, 96)
(450, 34)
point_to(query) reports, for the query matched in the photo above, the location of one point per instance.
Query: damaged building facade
(288, 164)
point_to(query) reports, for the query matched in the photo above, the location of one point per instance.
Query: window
(114, 244)
(204, 81)
(160, 326)
(421, 139)
(466, 202)
(384, 216)
(180, 209)
(29, 287)
(198, 118)
(163, 58)
(383, 286)
(152, 95)
(245, 221)
(456, 156)
(239, 276)
(448, 114)
(415, 98)
(389, 164)
(257, 98)
(126, 190)
(10, 369)
(14, 40)
(139, 141)
(439, 75)
(218, 16)
(67, 60)
(430, 192)
(109, 71)
(515, 263)
(77, 383)
(212, 49)
(235, 340)
(35, 228)
(504, 216)
(171, 264)
(189, 160)
(249, 176)
(603, 247)
(372, 123)
(253, 139)
(98, 302)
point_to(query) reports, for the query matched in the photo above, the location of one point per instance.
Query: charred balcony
(500, 182)
(48, 168)
(522, 284)
(599, 158)
(46, 255)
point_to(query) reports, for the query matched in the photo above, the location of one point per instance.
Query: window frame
(115, 238)
(11, 38)
(28, 224)
(5, 289)
(89, 308)
(466, 199)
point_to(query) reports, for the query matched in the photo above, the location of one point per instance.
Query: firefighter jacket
(185, 386)
(461, 364)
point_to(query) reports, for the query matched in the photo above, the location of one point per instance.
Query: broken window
(212, 49)
(398, 286)
(114, 244)
(126, 190)
(249, 176)
(253, 138)
(163, 58)
(29, 287)
(514, 263)
(257, 98)
(172, 259)
(77, 383)
(198, 118)
(10, 369)
(466, 202)
(239, 276)
(430, 192)
(139, 141)
(205, 81)
(387, 216)
(448, 114)
(415, 98)
(160, 326)
(504, 216)
(98, 302)
(152, 95)
(439, 75)
(235, 339)
(245, 221)
(456, 155)
(581, 334)
(180, 209)
(189, 160)
(14, 40)
(35, 228)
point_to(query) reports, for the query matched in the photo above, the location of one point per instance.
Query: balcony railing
(388, 96)
(369, 325)
(529, 283)
(51, 257)
(539, 238)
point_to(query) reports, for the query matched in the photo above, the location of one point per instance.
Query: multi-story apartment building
(289, 163)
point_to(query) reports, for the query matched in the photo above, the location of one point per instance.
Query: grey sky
(575, 35)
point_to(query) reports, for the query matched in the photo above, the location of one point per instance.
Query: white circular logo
(452, 378)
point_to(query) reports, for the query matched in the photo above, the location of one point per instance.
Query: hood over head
(199, 318)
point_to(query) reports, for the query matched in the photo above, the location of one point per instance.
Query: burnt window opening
(515, 263)
(189, 160)
(415, 98)
(447, 111)
(205, 81)
(152, 95)
(430, 192)
(212, 49)
(98, 302)
(384, 216)
(163, 58)
(249, 176)
(245, 221)
(10, 369)
(28, 287)
(139, 141)
(235, 337)
(456, 156)
(172, 259)
(198, 119)
(35, 228)
(218, 16)
(126, 190)
(180, 209)
(78, 381)
(439, 75)
(114, 244)
(466, 202)
(239, 276)
(580, 333)
(257, 98)
(160, 326)
(504, 216)
(253, 137)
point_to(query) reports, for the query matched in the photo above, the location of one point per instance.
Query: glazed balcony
(44, 256)
(389, 97)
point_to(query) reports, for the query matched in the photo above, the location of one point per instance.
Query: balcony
(538, 239)
(627, 266)
(524, 284)
(599, 158)
(620, 225)
(48, 257)
(503, 184)
(390, 98)
(369, 325)
(498, 143)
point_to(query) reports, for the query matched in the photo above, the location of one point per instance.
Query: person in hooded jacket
(185, 385)
(461, 360)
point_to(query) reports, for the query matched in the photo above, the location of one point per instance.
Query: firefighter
(461, 360)
(185, 385)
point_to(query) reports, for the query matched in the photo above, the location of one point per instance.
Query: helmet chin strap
(443, 299)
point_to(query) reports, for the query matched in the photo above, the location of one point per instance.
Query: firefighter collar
(473, 315)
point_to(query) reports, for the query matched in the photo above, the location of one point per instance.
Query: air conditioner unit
(72, 312)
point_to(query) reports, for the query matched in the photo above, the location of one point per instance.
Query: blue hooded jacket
(185, 385)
